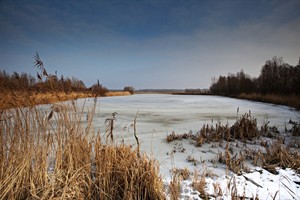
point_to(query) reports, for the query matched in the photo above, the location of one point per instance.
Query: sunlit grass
(245, 129)
(28, 98)
(120, 93)
(290, 100)
(48, 154)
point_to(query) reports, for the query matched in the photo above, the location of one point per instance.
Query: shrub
(245, 128)
(130, 89)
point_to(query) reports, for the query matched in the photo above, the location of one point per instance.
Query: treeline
(196, 91)
(276, 78)
(45, 83)
(24, 81)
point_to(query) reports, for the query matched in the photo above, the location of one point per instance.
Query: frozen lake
(181, 113)
(161, 114)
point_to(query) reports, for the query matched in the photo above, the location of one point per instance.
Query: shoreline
(202, 164)
(292, 101)
(15, 99)
(29, 98)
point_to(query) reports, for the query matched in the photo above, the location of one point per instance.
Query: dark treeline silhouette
(195, 91)
(276, 78)
(98, 89)
(129, 89)
(46, 83)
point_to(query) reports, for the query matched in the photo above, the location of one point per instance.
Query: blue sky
(148, 44)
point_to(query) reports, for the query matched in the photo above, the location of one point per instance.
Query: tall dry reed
(49, 154)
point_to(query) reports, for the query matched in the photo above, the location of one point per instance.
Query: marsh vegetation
(278, 83)
(145, 146)
(52, 154)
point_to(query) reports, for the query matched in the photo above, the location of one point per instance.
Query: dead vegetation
(50, 154)
(288, 100)
(182, 174)
(274, 152)
(14, 99)
(173, 136)
(174, 187)
(245, 128)
(17, 99)
(23, 90)
(277, 155)
(117, 93)
(235, 163)
(295, 130)
(199, 184)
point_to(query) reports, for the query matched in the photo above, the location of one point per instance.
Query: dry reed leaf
(84, 167)
(50, 115)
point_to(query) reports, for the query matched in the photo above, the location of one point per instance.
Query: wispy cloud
(151, 43)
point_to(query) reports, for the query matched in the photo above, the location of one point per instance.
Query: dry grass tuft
(121, 93)
(244, 128)
(199, 184)
(173, 136)
(27, 98)
(212, 133)
(295, 130)
(14, 99)
(289, 100)
(175, 187)
(277, 155)
(51, 154)
(234, 163)
(183, 174)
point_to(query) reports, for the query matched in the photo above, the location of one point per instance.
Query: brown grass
(244, 128)
(53, 155)
(235, 163)
(174, 187)
(27, 98)
(277, 155)
(120, 93)
(173, 136)
(289, 100)
(183, 174)
(199, 184)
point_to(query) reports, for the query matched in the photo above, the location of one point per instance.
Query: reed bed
(288, 100)
(277, 155)
(13, 99)
(52, 154)
(120, 93)
(245, 129)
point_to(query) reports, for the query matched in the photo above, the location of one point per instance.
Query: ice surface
(180, 112)
(160, 114)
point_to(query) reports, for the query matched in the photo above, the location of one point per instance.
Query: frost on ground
(259, 184)
(160, 115)
(212, 161)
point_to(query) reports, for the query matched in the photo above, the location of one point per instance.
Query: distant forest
(276, 78)
(45, 83)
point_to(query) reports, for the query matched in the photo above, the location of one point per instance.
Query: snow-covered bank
(258, 184)
(159, 115)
